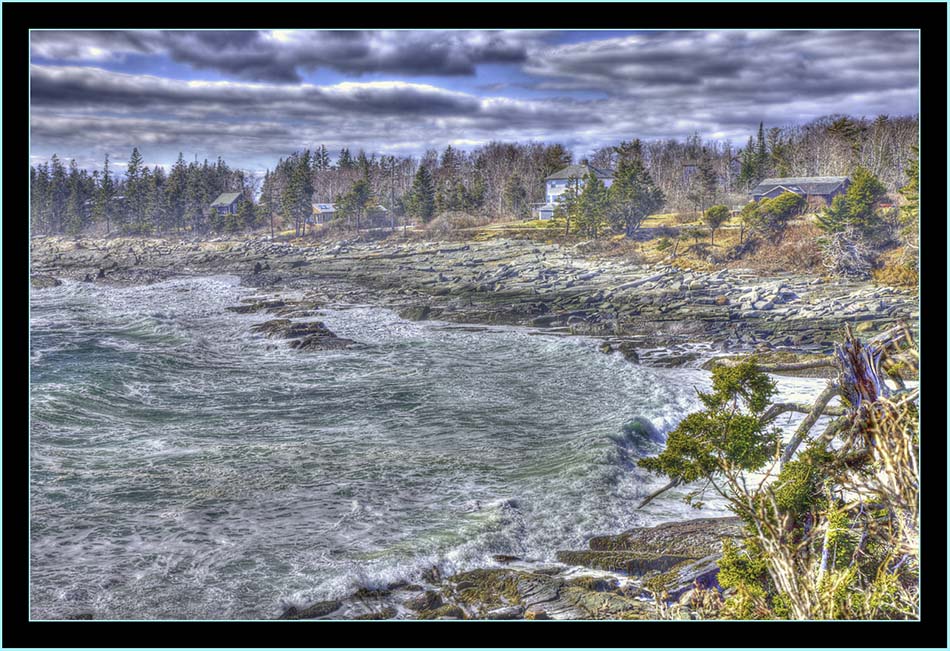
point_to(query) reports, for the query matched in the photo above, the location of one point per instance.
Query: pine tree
(134, 192)
(761, 155)
(633, 195)
(516, 198)
(856, 208)
(75, 201)
(355, 202)
(555, 157)
(910, 211)
(748, 175)
(58, 193)
(345, 161)
(39, 198)
(568, 203)
(591, 217)
(321, 159)
(421, 203)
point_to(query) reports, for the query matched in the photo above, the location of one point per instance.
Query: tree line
(498, 180)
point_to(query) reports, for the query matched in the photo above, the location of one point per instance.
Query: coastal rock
(428, 600)
(701, 573)
(689, 538)
(256, 306)
(39, 281)
(319, 609)
(305, 335)
(635, 563)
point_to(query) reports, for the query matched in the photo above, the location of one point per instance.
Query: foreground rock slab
(638, 574)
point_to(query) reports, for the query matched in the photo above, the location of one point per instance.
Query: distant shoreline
(512, 282)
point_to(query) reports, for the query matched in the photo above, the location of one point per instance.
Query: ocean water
(182, 467)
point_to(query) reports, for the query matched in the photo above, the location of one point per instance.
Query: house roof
(806, 184)
(580, 171)
(226, 199)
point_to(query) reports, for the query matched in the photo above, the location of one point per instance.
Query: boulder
(634, 563)
(39, 281)
(691, 538)
(319, 609)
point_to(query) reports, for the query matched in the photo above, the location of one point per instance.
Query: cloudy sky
(252, 97)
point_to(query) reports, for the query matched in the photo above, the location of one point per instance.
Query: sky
(253, 97)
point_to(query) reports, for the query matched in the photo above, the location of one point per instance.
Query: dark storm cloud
(86, 107)
(279, 56)
(722, 63)
(652, 86)
(84, 89)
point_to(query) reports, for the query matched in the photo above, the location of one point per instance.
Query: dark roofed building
(226, 203)
(815, 189)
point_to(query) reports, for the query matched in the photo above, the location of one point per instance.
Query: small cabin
(818, 191)
(322, 213)
(226, 203)
(556, 184)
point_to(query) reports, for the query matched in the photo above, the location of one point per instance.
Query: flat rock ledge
(303, 335)
(644, 573)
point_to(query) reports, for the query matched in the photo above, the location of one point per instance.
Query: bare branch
(652, 496)
(779, 408)
(829, 392)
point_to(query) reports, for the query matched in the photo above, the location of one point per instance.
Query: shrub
(896, 274)
(771, 216)
(449, 223)
(716, 216)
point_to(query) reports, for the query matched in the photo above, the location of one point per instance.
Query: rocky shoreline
(663, 572)
(657, 315)
(643, 307)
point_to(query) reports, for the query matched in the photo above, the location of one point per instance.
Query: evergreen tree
(555, 157)
(345, 161)
(516, 198)
(58, 194)
(134, 193)
(355, 202)
(856, 208)
(748, 175)
(40, 198)
(761, 155)
(321, 161)
(910, 211)
(633, 195)
(421, 204)
(568, 203)
(629, 152)
(592, 210)
(75, 201)
(177, 182)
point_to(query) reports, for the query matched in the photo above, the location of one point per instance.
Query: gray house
(556, 184)
(226, 203)
(817, 190)
(322, 213)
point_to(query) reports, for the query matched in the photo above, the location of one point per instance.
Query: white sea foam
(185, 467)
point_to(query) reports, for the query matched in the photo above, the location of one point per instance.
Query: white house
(556, 184)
